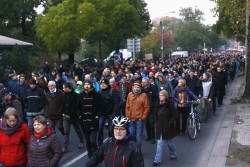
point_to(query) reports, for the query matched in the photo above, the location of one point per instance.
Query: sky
(158, 8)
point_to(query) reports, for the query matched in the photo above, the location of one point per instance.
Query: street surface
(190, 153)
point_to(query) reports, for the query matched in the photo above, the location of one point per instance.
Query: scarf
(7, 129)
(40, 134)
(45, 132)
(87, 91)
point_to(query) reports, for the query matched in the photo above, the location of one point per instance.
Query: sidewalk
(220, 152)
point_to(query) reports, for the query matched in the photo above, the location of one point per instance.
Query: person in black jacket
(35, 100)
(221, 78)
(70, 116)
(153, 97)
(119, 151)
(110, 99)
(89, 107)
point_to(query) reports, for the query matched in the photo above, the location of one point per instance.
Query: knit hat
(138, 83)
(88, 81)
(207, 74)
(1, 85)
(32, 81)
(79, 83)
(105, 81)
(164, 93)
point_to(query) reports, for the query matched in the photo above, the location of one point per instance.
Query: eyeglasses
(119, 129)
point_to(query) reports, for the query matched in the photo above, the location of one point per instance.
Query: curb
(218, 156)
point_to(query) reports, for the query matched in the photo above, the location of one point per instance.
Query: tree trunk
(71, 57)
(247, 61)
(59, 55)
(100, 50)
(23, 24)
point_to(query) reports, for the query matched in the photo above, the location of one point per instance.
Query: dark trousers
(214, 104)
(91, 141)
(102, 121)
(122, 107)
(220, 94)
(66, 124)
(183, 111)
(150, 125)
(56, 123)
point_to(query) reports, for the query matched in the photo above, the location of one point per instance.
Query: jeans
(159, 149)
(91, 141)
(66, 124)
(30, 122)
(136, 130)
(56, 123)
(102, 121)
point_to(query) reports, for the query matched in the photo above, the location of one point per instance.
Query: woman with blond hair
(14, 140)
(182, 94)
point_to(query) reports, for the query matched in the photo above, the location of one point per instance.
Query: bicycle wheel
(198, 125)
(191, 127)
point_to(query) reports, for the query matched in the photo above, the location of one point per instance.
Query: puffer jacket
(46, 151)
(137, 106)
(116, 153)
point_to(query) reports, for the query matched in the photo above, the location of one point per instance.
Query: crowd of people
(128, 97)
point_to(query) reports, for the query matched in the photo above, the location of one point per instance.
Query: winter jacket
(15, 103)
(70, 104)
(115, 153)
(54, 104)
(110, 99)
(211, 90)
(137, 106)
(164, 121)
(153, 96)
(35, 99)
(46, 151)
(192, 83)
(14, 147)
(188, 95)
(89, 107)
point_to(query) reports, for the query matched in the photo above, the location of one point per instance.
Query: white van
(116, 57)
(179, 54)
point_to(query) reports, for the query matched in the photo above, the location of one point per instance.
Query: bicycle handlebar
(192, 102)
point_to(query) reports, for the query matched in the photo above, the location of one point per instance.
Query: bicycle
(193, 121)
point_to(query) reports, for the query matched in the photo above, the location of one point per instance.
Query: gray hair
(52, 83)
(146, 80)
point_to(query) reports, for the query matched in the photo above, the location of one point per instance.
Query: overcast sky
(158, 8)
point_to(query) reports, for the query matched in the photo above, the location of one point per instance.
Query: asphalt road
(190, 153)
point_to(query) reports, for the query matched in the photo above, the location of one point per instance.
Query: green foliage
(232, 18)
(189, 15)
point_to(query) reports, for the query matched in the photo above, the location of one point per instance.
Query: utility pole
(247, 61)
(162, 52)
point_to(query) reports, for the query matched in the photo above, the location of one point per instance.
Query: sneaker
(155, 164)
(64, 149)
(172, 158)
(81, 145)
(153, 141)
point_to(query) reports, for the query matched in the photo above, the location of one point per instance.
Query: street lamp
(162, 42)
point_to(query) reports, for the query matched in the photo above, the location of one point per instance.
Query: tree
(103, 21)
(188, 14)
(231, 18)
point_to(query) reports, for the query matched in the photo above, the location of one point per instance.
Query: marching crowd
(127, 97)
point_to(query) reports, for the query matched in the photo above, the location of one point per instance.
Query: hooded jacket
(166, 85)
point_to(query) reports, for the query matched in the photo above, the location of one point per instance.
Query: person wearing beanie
(122, 150)
(92, 81)
(89, 109)
(165, 84)
(206, 91)
(35, 100)
(165, 127)
(110, 99)
(137, 110)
